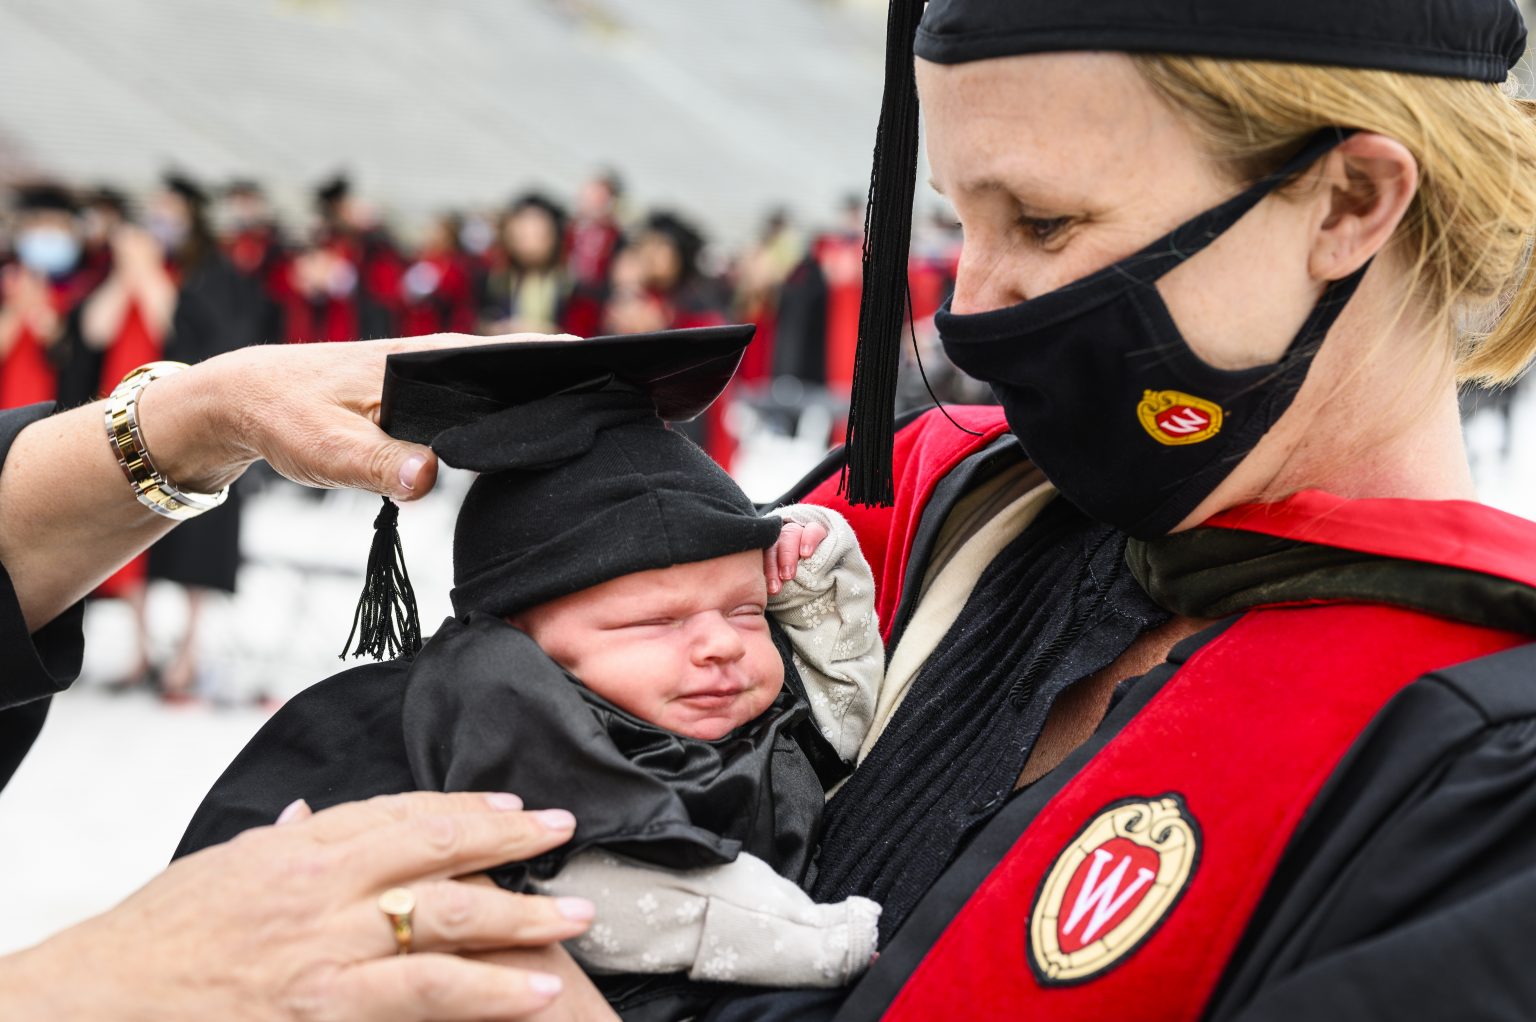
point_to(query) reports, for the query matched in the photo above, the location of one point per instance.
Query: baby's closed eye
(650, 622)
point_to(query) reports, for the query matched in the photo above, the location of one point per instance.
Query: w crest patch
(1111, 887)
(1174, 418)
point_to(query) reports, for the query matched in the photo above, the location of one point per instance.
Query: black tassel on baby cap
(386, 623)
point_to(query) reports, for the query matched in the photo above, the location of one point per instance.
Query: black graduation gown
(483, 708)
(1407, 888)
(217, 310)
(39, 664)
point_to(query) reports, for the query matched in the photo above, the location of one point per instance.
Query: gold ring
(398, 904)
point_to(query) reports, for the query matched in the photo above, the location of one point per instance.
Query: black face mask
(1107, 397)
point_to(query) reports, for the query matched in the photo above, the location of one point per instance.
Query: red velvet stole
(926, 451)
(1242, 737)
(1236, 744)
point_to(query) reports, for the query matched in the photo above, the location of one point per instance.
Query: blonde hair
(1467, 234)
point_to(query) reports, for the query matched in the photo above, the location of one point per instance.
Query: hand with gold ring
(284, 923)
(399, 906)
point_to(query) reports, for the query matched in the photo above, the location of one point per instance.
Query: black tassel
(386, 623)
(866, 476)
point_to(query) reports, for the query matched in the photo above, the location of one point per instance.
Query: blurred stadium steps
(722, 107)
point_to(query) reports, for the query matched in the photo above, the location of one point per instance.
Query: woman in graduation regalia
(37, 294)
(171, 294)
(1211, 688)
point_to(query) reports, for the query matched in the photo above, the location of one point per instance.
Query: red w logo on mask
(1174, 418)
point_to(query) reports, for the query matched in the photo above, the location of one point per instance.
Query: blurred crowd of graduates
(95, 282)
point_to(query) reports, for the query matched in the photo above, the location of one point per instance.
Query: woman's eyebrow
(979, 184)
(1029, 191)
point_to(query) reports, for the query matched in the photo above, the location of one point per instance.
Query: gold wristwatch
(153, 489)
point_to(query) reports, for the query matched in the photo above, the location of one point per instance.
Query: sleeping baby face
(686, 648)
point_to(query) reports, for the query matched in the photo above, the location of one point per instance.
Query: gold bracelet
(153, 489)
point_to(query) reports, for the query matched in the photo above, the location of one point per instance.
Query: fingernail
(556, 819)
(544, 983)
(576, 909)
(292, 811)
(410, 469)
(504, 800)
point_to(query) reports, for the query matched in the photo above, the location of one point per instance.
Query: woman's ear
(1370, 181)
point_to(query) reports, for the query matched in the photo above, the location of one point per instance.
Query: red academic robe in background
(590, 246)
(258, 254)
(330, 318)
(842, 263)
(134, 345)
(930, 278)
(437, 292)
(757, 361)
(26, 375)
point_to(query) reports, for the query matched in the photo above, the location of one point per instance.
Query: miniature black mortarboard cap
(1474, 39)
(581, 479)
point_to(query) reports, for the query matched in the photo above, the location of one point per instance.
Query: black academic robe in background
(218, 310)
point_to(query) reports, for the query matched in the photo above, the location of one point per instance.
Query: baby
(689, 649)
(631, 641)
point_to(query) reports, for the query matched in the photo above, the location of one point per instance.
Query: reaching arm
(826, 606)
(283, 925)
(736, 923)
(68, 517)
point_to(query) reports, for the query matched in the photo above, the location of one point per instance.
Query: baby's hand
(797, 541)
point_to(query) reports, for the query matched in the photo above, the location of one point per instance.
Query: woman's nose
(714, 639)
(986, 279)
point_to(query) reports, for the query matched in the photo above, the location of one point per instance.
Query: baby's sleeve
(828, 612)
(737, 923)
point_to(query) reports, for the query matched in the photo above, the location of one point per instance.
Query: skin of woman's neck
(1377, 416)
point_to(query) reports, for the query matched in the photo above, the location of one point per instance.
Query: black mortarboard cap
(1477, 39)
(1474, 39)
(107, 197)
(332, 190)
(183, 185)
(44, 197)
(581, 479)
(682, 234)
(242, 186)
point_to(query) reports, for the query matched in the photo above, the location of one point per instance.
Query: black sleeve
(1418, 890)
(335, 742)
(777, 1006)
(42, 663)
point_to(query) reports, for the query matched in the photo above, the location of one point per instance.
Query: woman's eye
(1044, 229)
